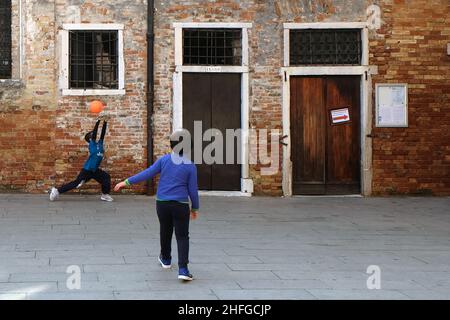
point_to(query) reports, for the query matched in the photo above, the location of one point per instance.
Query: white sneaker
(54, 194)
(165, 263)
(106, 197)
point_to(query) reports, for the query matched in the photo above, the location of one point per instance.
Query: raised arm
(94, 132)
(102, 135)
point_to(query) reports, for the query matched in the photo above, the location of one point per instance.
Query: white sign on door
(340, 115)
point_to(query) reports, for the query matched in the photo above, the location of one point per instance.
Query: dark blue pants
(99, 175)
(174, 215)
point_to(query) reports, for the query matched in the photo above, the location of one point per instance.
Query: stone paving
(241, 248)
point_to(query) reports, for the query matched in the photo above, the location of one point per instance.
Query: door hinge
(285, 76)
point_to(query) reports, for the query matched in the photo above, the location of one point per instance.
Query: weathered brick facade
(41, 130)
(42, 137)
(411, 48)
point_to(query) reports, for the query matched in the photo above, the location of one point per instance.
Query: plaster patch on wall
(73, 14)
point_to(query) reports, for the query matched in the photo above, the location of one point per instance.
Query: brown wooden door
(325, 155)
(214, 99)
(197, 107)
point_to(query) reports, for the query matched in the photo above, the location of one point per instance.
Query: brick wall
(27, 107)
(42, 132)
(48, 128)
(126, 140)
(266, 58)
(411, 48)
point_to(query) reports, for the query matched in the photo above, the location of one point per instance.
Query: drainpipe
(150, 85)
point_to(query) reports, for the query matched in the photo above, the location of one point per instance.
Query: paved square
(241, 248)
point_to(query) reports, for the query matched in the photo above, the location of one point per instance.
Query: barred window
(5, 39)
(93, 59)
(212, 46)
(325, 47)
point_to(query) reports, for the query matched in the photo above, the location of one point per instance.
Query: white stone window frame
(18, 78)
(64, 73)
(243, 69)
(364, 71)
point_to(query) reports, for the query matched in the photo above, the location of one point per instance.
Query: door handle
(281, 140)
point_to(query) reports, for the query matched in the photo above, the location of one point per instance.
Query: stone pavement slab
(241, 248)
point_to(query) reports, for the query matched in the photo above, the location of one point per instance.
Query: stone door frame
(363, 70)
(243, 69)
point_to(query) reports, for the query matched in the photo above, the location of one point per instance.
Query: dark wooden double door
(215, 100)
(325, 155)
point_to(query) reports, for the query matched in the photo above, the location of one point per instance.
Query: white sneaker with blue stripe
(165, 263)
(184, 274)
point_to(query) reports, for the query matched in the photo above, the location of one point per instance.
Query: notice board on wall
(391, 101)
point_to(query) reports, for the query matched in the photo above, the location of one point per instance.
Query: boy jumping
(177, 183)
(91, 167)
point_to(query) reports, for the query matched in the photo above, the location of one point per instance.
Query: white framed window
(92, 59)
(11, 42)
(213, 46)
(5, 40)
(349, 55)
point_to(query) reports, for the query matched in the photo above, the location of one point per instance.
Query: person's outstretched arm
(102, 135)
(193, 191)
(147, 174)
(94, 132)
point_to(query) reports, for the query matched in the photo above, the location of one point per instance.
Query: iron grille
(325, 46)
(212, 47)
(5, 39)
(93, 58)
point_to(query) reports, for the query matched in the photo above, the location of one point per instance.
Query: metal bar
(150, 87)
(213, 46)
(94, 57)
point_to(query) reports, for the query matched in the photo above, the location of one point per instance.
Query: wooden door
(226, 114)
(197, 107)
(325, 153)
(308, 139)
(214, 99)
(343, 140)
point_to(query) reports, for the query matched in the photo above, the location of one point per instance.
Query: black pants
(100, 176)
(172, 215)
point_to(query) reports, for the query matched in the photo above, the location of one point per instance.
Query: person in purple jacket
(177, 183)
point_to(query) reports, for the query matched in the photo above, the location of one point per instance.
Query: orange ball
(96, 106)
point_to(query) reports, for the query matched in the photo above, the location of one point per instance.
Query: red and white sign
(340, 115)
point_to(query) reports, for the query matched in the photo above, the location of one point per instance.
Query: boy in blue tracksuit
(177, 183)
(91, 168)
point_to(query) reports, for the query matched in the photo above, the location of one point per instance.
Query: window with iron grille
(212, 46)
(5, 39)
(325, 47)
(93, 59)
